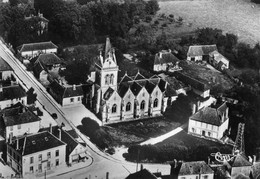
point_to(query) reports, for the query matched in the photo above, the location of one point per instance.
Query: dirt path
(239, 17)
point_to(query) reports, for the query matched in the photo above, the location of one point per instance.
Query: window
(114, 108)
(79, 98)
(209, 134)
(40, 157)
(49, 155)
(193, 130)
(57, 162)
(107, 79)
(31, 159)
(40, 167)
(142, 105)
(71, 100)
(48, 165)
(11, 128)
(19, 126)
(203, 133)
(128, 106)
(57, 153)
(112, 79)
(205, 177)
(155, 103)
(31, 169)
(143, 94)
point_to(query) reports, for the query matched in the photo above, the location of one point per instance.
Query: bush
(148, 19)
(171, 16)
(156, 22)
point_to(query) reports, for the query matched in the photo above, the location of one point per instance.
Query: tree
(152, 7)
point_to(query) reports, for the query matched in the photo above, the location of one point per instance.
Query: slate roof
(108, 93)
(18, 114)
(136, 88)
(193, 168)
(210, 115)
(142, 174)
(34, 143)
(200, 50)
(126, 78)
(36, 46)
(240, 161)
(149, 86)
(12, 92)
(48, 59)
(4, 66)
(166, 57)
(122, 90)
(138, 76)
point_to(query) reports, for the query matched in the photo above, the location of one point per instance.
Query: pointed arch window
(112, 79)
(114, 108)
(142, 105)
(107, 79)
(155, 103)
(128, 106)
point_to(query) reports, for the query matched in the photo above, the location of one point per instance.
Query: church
(128, 98)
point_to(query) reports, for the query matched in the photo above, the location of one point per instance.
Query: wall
(6, 74)
(29, 128)
(156, 94)
(222, 128)
(199, 127)
(8, 103)
(129, 97)
(143, 95)
(245, 170)
(197, 58)
(79, 149)
(67, 102)
(114, 99)
(203, 94)
(37, 52)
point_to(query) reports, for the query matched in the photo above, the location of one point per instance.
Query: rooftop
(48, 59)
(4, 66)
(165, 57)
(36, 46)
(12, 92)
(142, 174)
(193, 168)
(200, 50)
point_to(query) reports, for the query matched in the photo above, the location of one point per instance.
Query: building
(240, 165)
(200, 52)
(45, 64)
(75, 151)
(192, 170)
(134, 97)
(31, 50)
(142, 174)
(198, 87)
(42, 22)
(210, 122)
(165, 60)
(66, 95)
(218, 60)
(6, 72)
(19, 120)
(36, 154)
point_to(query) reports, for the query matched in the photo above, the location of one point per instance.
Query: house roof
(12, 92)
(193, 168)
(4, 66)
(240, 161)
(36, 46)
(18, 114)
(108, 93)
(209, 115)
(48, 59)
(165, 57)
(142, 174)
(30, 144)
(200, 50)
(256, 170)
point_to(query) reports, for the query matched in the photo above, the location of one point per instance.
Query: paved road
(102, 162)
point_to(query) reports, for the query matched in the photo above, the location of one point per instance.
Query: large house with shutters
(131, 97)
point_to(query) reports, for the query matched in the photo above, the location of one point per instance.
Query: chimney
(59, 133)
(194, 108)
(74, 87)
(250, 159)
(160, 54)
(50, 128)
(169, 50)
(142, 167)
(208, 160)
(254, 159)
(17, 144)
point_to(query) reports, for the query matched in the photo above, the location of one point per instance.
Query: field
(239, 17)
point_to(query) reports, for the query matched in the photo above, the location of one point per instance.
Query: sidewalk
(161, 138)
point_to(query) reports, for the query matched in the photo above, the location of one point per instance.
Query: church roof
(136, 88)
(126, 78)
(149, 87)
(138, 76)
(122, 90)
(108, 93)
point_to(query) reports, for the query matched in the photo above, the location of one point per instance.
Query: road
(102, 162)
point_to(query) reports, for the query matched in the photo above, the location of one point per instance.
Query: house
(42, 22)
(45, 64)
(200, 52)
(133, 97)
(66, 95)
(240, 165)
(218, 60)
(36, 154)
(192, 170)
(19, 120)
(10, 95)
(31, 50)
(75, 151)
(6, 72)
(165, 60)
(142, 174)
(210, 122)
(198, 87)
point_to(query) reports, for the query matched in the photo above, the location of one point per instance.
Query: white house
(200, 52)
(240, 165)
(210, 122)
(34, 49)
(165, 60)
(66, 95)
(19, 120)
(5, 70)
(193, 170)
(218, 60)
(36, 154)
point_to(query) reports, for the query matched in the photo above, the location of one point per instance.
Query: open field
(233, 16)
